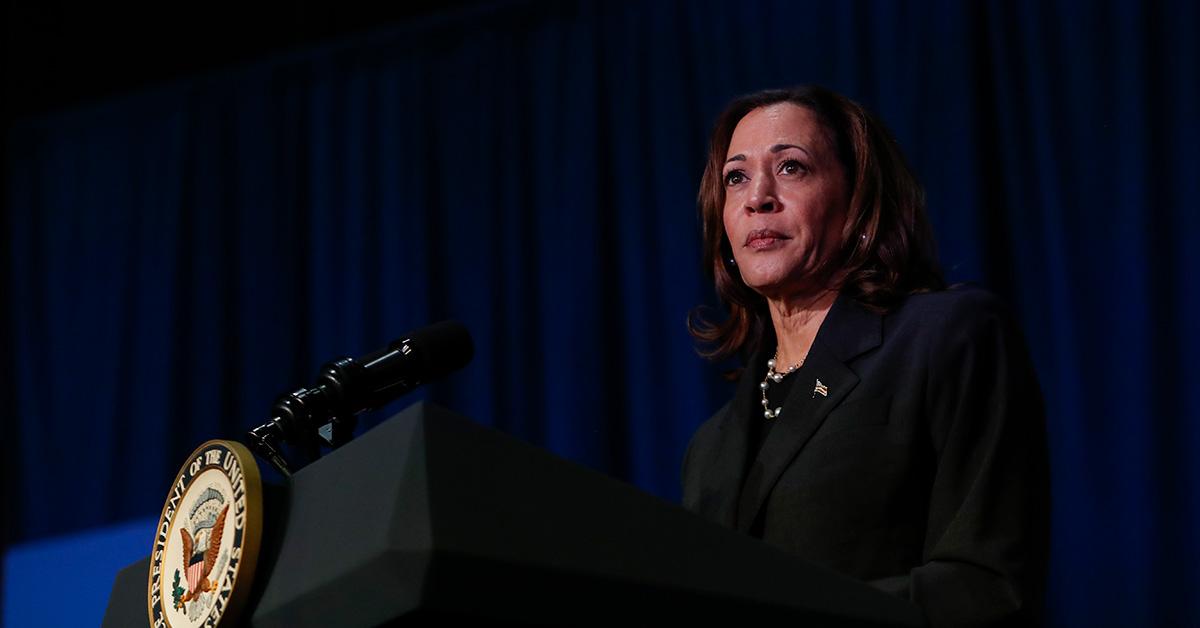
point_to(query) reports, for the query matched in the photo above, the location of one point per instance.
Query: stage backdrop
(177, 258)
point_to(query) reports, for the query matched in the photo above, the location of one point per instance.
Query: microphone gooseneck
(326, 413)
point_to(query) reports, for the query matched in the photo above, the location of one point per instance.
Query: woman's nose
(762, 195)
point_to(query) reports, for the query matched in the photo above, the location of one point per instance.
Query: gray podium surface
(430, 516)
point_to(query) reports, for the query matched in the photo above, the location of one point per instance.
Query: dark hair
(887, 205)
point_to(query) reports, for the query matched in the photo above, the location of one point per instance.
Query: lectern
(430, 517)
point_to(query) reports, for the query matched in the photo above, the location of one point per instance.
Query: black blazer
(922, 469)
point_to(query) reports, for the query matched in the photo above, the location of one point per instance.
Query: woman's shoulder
(959, 306)
(704, 445)
(959, 315)
(712, 426)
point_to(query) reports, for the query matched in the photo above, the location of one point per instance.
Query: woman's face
(785, 199)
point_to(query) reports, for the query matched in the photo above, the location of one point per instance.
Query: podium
(430, 517)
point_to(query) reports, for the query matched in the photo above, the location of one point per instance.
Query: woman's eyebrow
(774, 149)
(781, 147)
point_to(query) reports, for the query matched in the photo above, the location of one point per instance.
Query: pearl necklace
(773, 376)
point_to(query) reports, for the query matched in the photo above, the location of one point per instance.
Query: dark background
(203, 206)
(60, 54)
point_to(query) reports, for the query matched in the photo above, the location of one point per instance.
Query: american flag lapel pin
(820, 389)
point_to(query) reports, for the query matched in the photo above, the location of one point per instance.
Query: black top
(760, 426)
(922, 468)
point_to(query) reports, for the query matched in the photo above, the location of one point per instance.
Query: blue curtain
(177, 258)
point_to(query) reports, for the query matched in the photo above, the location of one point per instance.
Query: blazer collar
(847, 331)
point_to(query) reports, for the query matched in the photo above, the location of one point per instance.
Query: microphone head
(441, 348)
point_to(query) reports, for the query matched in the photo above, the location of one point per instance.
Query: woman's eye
(734, 177)
(791, 166)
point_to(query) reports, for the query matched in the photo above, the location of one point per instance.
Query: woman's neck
(796, 321)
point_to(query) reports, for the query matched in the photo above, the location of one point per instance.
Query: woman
(883, 425)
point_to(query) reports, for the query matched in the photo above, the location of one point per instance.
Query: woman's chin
(772, 287)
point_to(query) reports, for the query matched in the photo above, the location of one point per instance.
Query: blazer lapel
(848, 331)
(730, 465)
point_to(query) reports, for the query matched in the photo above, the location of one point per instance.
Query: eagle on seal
(200, 560)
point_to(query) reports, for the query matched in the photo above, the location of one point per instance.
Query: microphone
(326, 413)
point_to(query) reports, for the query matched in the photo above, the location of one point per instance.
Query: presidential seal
(206, 543)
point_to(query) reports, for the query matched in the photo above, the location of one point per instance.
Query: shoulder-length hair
(886, 251)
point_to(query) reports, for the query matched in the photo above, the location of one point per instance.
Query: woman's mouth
(760, 239)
